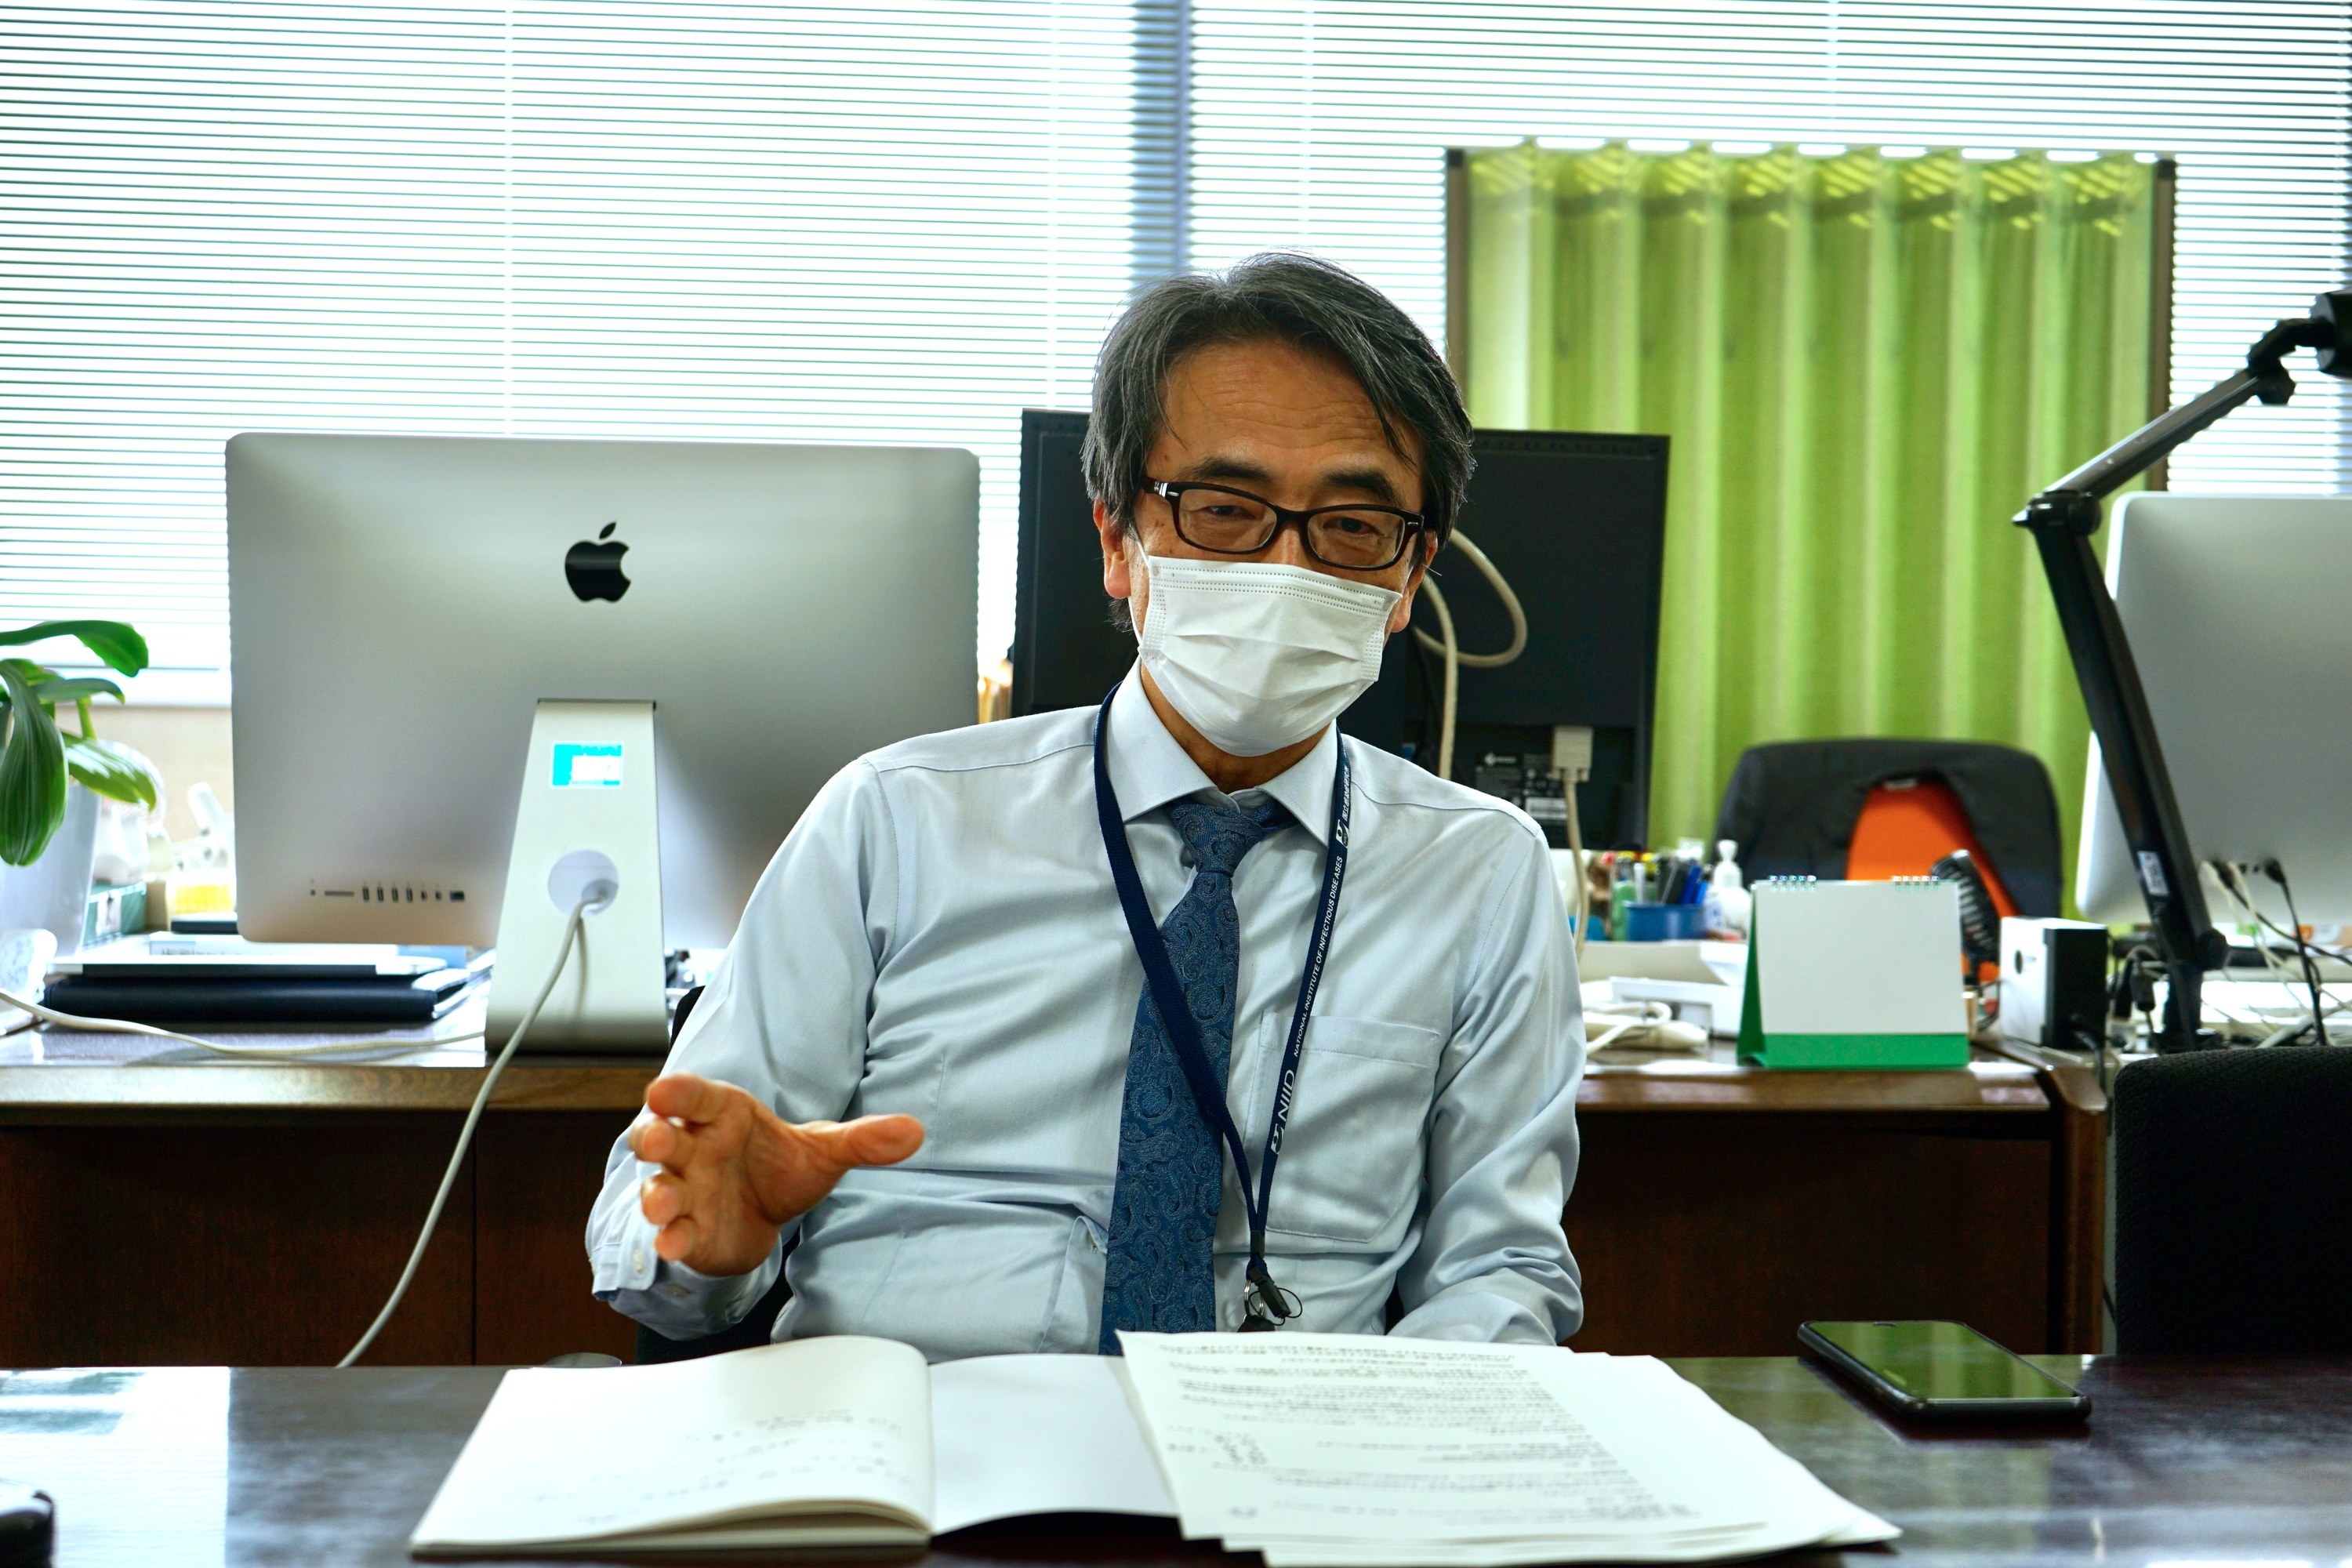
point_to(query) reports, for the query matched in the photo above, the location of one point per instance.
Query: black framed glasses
(1225, 521)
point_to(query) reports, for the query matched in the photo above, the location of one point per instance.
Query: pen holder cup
(1665, 923)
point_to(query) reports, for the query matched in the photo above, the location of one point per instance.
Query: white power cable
(595, 896)
(2288, 1031)
(1449, 648)
(2232, 882)
(2231, 879)
(1452, 656)
(377, 1043)
(1511, 607)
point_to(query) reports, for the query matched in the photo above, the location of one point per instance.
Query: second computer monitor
(2235, 608)
(398, 606)
(1575, 522)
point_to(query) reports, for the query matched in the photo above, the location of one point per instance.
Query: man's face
(1286, 424)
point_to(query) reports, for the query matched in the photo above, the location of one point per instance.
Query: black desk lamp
(2062, 519)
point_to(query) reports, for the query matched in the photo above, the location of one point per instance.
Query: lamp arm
(2146, 808)
(2062, 520)
(2152, 442)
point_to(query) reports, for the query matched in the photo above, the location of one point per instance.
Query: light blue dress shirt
(939, 936)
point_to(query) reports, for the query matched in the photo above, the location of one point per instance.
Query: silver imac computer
(473, 677)
(2240, 614)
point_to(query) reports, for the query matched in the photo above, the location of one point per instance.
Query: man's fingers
(677, 1239)
(869, 1141)
(686, 1098)
(664, 1143)
(663, 1199)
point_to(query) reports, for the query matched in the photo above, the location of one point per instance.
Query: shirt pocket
(1352, 1157)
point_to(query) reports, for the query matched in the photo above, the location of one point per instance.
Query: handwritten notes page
(813, 1442)
(1334, 1451)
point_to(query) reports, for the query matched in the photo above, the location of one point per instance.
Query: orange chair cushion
(1909, 824)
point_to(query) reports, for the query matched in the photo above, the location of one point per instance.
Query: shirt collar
(1149, 769)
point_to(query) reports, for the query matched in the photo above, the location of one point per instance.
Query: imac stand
(586, 815)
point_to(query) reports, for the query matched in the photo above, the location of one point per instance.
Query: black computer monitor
(1576, 524)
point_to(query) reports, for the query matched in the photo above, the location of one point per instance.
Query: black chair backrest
(2233, 1203)
(1791, 807)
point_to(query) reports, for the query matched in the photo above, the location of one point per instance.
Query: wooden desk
(169, 1207)
(1718, 1207)
(2180, 1462)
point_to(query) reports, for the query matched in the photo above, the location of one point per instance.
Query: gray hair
(1286, 298)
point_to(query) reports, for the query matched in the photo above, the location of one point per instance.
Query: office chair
(1807, 808)
(757, 1324)
(2233, 1203)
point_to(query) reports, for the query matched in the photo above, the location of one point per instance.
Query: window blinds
(1314, 124)
(857, 222)
(905, 221)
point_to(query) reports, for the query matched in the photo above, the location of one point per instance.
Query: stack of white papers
(1333, 1451)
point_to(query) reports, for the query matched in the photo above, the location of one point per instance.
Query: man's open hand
(734, 1173)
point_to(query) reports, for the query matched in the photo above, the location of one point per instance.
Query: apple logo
(592, 567)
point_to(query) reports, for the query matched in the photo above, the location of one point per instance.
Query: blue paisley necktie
(1163, 1206)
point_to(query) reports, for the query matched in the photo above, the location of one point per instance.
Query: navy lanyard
(1268, 1304)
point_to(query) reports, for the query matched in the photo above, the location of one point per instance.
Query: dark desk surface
(2181, 1462)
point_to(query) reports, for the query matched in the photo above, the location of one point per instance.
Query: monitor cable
(1450, 653)
(1447, 648)
(2302, 950)
(593, 898)
(363, 1044)
(2232, 878)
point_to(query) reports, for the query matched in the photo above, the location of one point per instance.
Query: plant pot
(53, 893)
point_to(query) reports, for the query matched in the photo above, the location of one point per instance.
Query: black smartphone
(1942, 1371)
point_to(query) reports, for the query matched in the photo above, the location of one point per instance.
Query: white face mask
(1257, 656)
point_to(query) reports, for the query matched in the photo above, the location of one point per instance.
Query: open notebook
(833, 1443)
(1316, 1450)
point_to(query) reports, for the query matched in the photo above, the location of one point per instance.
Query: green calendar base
(1855, 1052)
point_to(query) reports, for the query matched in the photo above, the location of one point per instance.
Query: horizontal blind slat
(1316, 125)
(905, 221)
(683, 218)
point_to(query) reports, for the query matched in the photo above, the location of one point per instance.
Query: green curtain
(1866, 364)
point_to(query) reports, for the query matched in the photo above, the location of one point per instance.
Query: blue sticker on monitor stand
(586, 767)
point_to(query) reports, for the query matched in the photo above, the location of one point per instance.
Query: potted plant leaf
(49, 881)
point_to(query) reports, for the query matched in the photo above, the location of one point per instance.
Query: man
(941, 952)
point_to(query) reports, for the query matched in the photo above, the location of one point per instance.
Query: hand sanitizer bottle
(1727, 899)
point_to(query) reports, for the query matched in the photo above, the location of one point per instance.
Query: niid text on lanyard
(1269, 1305)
